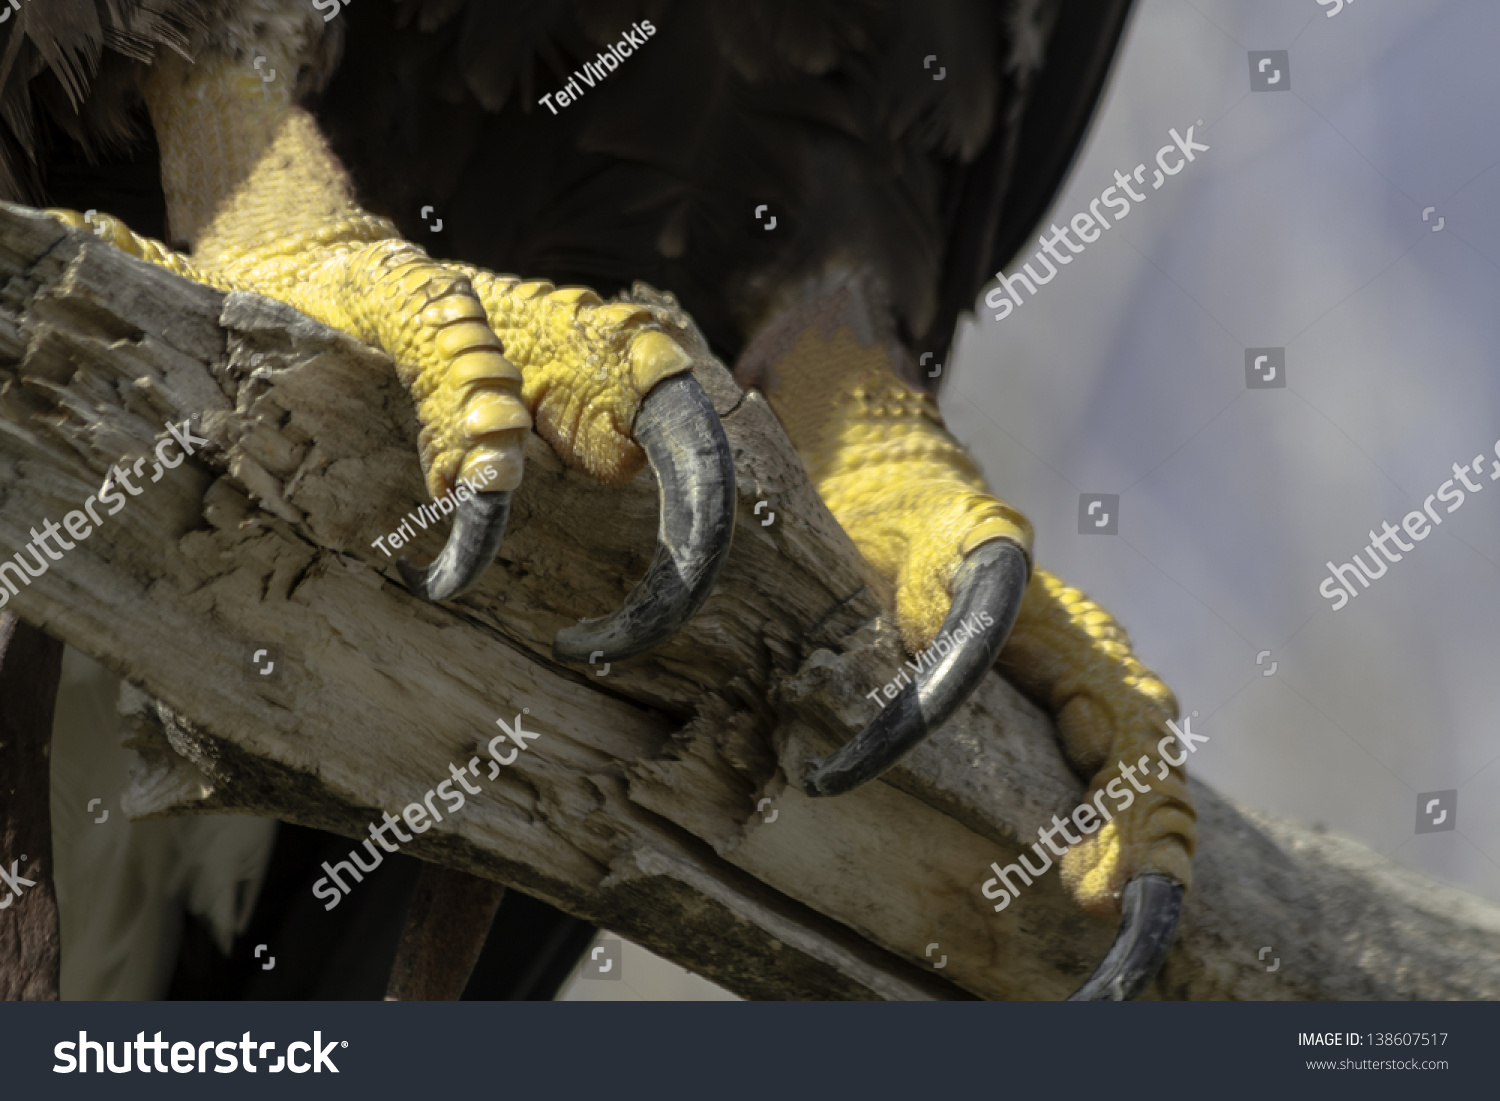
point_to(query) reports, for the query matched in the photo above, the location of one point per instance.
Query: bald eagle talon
(478, 527)
(686, 447)
(1148, 921)
(987, 593)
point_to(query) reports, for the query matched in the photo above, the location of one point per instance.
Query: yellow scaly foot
(916, 506)
(255, 193)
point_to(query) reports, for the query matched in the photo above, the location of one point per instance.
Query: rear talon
(988, 588)
(1150, 907)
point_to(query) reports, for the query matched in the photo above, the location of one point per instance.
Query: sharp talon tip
(1149, 911)
(990, 583)
(478, 528)
(686, 447)
(812, 779)
(414, 576)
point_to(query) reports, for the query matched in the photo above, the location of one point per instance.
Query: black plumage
(823, 111)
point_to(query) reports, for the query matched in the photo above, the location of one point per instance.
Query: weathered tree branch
(638, 808)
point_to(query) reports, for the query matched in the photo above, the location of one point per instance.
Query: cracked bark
(637, 808)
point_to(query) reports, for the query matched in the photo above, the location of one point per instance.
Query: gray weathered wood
(638, 806)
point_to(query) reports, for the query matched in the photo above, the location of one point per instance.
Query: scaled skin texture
(915, 504)
(254, 191)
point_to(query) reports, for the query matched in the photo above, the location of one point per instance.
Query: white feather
(123, 887)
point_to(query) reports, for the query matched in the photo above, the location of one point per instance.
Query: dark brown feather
(821, 109)
(77, 61)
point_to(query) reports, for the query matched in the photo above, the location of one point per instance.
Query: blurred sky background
(1300, 228)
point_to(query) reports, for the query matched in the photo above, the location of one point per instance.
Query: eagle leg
(954, 562)
(258, 197)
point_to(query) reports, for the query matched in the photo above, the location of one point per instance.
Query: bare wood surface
(30, 667)
(655, 801)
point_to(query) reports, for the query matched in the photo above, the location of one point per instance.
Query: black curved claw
(686, 447)
(1148, 919)
(990, 583)
(478, 526)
